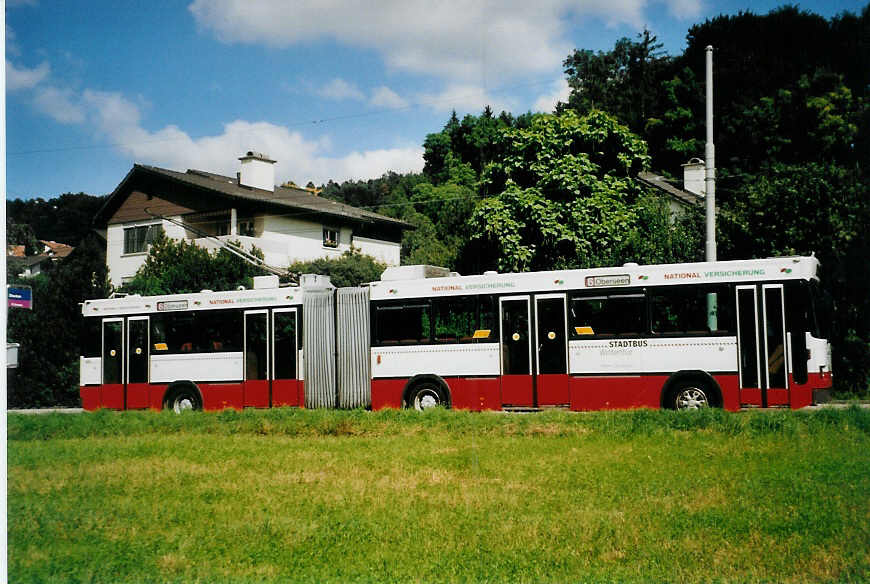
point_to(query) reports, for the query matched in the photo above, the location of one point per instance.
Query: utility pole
(710, 165)
(710, 191)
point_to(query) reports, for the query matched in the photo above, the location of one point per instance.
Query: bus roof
(627, 275)
(205, 300)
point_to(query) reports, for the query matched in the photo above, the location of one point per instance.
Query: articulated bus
(731, 334)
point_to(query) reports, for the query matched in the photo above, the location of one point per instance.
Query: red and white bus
(727, 334)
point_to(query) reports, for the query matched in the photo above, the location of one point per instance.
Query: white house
(286, 223)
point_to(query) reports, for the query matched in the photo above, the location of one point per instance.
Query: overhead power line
(316, 121)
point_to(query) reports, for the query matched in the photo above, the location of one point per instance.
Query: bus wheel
(427, 395)
(182, 398)
(690, 396)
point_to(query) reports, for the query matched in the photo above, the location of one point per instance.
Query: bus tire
(688, 390)
(182, 397)
(428, 393)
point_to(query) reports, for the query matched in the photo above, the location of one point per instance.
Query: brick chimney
(257, 171)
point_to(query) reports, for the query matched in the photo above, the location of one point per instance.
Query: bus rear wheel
(426, 396)
(690, 396)
(182, 398)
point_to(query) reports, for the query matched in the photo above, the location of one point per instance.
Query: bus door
(136, 394)
(761, 345)
(551, 341)
(256, 381)
(286, 390)
(517, 387)
(112, 387)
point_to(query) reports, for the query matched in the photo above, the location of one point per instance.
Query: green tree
(48, 372)
(568, 197)
(351, 269)
(65, 219)
(624, 82)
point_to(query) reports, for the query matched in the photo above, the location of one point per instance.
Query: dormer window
(330, 237)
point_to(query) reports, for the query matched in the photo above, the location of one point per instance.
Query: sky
(331, 89)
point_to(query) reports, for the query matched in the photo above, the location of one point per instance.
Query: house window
(137, 239)
(330, 237)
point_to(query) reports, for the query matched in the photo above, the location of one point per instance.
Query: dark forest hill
(65, 219)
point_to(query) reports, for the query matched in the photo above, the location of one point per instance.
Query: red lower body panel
(90, 395)
(730, 386)
(221, 397)
(607, 393)
(466, 393)
(516, 390)
(256, 394)
(137, 396)
(287, 392)
(155, 396)
(554, 389)
(387, 393)
(474, 393)
(112, 396)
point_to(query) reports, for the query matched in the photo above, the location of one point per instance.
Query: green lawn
(325, 496)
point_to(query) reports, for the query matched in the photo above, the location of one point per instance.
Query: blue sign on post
(19, 297)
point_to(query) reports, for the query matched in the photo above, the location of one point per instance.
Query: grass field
(325, 496)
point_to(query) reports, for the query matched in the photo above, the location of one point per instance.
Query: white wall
(284, 240)
(123, 265)
(383, 251)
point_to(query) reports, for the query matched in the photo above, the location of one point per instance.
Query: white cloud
(686, 9)
(547, 103)
(385, 97)
(339, 89)
(465, 98)
(299, 159)
(11, 45)
(25, 78)
(457, 40)
(59, 104)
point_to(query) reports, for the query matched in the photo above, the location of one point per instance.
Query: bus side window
(91, 337)
(219, 330)
(158, 335)
(682, 310)
(607, 316)
(455, 318)
(403, 324)
(488, 306)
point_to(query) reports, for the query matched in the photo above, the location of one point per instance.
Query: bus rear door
(762, 348)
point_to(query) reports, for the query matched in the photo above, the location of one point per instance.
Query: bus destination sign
(172, 305)
(605, 281)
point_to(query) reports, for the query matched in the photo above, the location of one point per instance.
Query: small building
(679, 198)
(287, 223)
(28, 266)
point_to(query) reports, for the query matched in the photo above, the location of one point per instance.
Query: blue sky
(330, 89)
